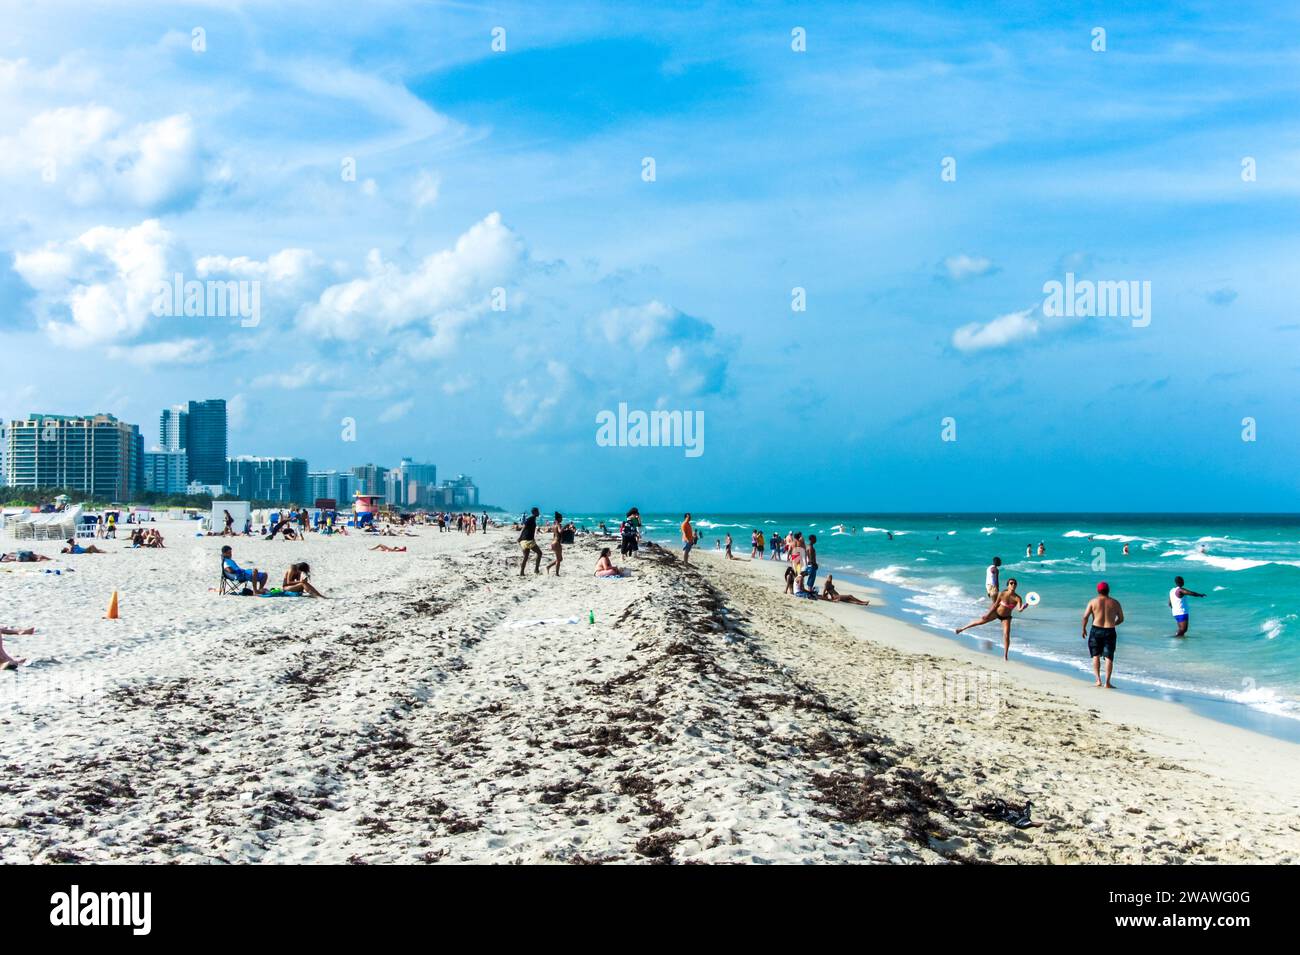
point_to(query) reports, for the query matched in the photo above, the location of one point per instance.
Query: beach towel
(277, 592)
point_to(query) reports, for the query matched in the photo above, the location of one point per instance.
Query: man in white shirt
(991, 579)
(1178, 604)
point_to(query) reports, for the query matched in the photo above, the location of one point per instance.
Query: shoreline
(889, 597)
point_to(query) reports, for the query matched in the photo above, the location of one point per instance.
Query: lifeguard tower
(366, 507)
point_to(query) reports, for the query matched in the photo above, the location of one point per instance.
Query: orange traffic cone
(112, 608)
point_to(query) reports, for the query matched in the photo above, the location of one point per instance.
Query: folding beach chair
(229, 584)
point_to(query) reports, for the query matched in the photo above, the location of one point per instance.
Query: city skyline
(162, 468)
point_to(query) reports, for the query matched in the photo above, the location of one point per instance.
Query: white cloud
(446, 291)
(100, 287)
(1001, 332)
(691, 357)
(92, 156)
(960, 267)
(182, 351)
(397, 411)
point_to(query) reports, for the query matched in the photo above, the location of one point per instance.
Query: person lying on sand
(75, 548)
(297, 580)
(6, 661)
(605, 566)
(389, 550)
(22, 557)
(830, 593)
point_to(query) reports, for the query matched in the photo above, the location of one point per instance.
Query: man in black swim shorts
(1104, 613)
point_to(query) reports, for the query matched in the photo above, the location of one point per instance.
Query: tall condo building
(96, 454)
(205, 440)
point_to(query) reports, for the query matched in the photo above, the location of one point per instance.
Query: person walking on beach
(1004, 605)
(991, 587)
(730, 556)
(528, 543)
(1178, 605)
(688, 539)
(557, 544)
(1105, 614)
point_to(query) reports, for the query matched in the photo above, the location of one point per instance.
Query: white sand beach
(438, 708)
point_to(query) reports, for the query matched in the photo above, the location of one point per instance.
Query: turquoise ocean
(1240, 662)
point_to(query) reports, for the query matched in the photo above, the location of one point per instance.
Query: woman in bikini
(605, 566)
(1004, 605)
(557, 547)
(830, 593)
(297, 580)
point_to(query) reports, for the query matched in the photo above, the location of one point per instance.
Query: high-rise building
(205, 440)
(337, 485)
(166, 472)
(371, 479)
(171, 428)
(252, 478)
(464, 492)
(96, 454)
(411, 484)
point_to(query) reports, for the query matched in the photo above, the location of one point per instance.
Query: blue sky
(127, 156)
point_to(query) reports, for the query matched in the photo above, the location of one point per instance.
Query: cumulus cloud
(93, 156)
(1002, 332)
(100, 287)
(396, 411)
(446, 291)
(960, 267)
(690, 355)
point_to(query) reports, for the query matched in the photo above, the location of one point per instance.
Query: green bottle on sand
(591, 616)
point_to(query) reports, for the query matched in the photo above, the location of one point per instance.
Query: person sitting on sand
(22, 557)
(802, 591)
(789, 580)
(1006, 603)
(153, 539)
(389, 550)
(75, 548)
(233, 571)
(830, 593)
(297, 580)
(6, 661)
(605, 566)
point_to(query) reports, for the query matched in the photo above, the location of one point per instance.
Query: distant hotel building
(371, 479)
(251, 478)
(411, 484)
(95, 454)
(337, 485)
(166, 472)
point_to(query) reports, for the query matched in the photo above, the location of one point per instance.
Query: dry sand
(440, 708)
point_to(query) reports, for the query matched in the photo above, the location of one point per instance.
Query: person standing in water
(1178, 604)
(688, 539)
(1004, 605)
(1105, 614)
(1042, 549)
(991, 572)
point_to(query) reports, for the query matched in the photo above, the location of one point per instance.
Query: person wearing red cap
(1105, 614)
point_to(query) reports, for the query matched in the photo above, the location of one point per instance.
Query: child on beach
(789, 580)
